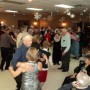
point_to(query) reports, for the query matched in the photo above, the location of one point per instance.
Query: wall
(10, 20)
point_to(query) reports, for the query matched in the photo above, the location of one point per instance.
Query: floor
(54, 79)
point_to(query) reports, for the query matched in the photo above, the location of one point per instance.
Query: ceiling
(46, 5)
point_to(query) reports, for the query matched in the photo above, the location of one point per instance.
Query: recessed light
(12, 11)
(35, 9)
(64, 6)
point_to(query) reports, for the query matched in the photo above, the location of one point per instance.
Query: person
(42, 75)
(81, 39)
(6, 54)
(84, 67)
(56, 55)
(20, 35)
(47, 36)
(20, 56)
(29, 77)
(65, 46)
(36, 41)
(31, 30)
(82, 83)
(75, 46)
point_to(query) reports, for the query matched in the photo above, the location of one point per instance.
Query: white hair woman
(83, 81)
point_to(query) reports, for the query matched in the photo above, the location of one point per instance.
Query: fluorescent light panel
(64, 6)
(11, 11)
(35, 9)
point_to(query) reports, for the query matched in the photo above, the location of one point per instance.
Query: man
(23, 32)
(6, 54)
(65, 46)
(20, 56)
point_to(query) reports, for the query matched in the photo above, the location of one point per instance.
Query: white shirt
(66, 42)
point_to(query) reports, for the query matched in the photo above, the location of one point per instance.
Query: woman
(75, 46)
(56, 56)
(82, 83)
(85, 68)
(29, 77)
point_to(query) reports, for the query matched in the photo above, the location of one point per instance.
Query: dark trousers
(18, 80)
(6, 57)
(65, 60)
(68, 80)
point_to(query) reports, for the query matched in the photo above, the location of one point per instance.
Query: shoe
(75, 57)
(54, 63)
(64, 70)
(60, 68)
(58, 64)
(1, 69)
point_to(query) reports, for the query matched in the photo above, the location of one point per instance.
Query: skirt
(42, 75)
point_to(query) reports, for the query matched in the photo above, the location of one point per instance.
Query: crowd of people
(26, 54)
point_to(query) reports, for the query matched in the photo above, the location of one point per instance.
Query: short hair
(83, 79)
(36, 38)
(64, 30)
(87, 56)
(32, 54)
(46, 44)
(26, 36)
(24, 27)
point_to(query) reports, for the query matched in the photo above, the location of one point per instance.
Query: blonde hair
(46, 44)
(32, 54)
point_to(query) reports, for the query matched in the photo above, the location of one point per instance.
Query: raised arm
(15, 73)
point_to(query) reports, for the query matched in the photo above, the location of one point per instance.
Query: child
(29, 77)
(42, 75)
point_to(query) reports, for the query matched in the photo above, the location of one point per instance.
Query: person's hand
(42, 59)
(75, 84)
(10, 67)
(28, 67)
(44, 56)
(63, 53)
(84, 71)
(72, 76)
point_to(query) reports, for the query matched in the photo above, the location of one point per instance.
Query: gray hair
(83, 79)
(64, 30)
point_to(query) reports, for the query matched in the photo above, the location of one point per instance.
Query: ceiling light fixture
(64, 6)
(12, 11)
(35, 9)
(72, 15)
(29, 0)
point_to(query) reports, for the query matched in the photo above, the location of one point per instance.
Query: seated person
(85, 67)
(82, 83)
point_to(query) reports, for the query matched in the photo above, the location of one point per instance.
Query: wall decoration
(37, 16)
(62, 19)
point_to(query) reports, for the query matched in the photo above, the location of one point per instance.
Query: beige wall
(10, 20)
